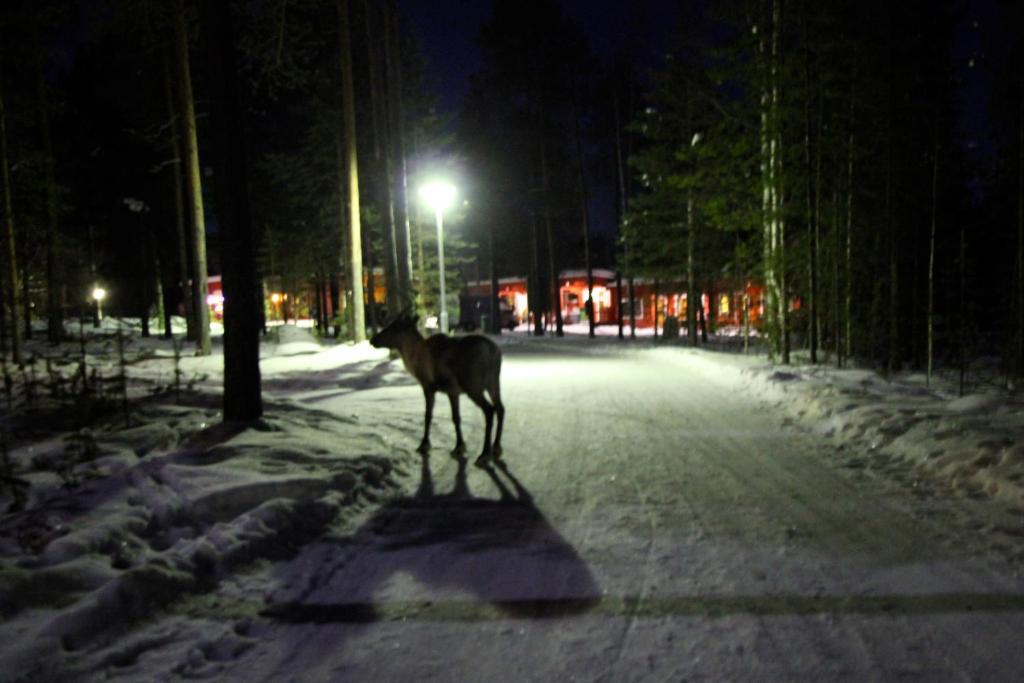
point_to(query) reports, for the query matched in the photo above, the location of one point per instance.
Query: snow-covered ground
(665, 514)
(972, 443)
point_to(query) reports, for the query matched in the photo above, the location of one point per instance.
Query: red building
(572, 294)
(215, 297)
(668, 299)
(281, 303)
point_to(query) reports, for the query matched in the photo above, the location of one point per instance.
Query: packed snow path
(652, 522)
(664, 528)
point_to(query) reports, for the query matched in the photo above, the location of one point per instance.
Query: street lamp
(98, 295)
(439, 196)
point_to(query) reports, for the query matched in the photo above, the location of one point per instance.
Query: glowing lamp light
(214, 299)
(98, 294)
(275, 298)
(438, 194)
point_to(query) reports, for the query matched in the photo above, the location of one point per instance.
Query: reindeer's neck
(412, 349)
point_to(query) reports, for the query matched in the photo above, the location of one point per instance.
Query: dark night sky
(970, 56)
(447, 32)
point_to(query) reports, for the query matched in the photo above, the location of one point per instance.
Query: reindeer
(453, 365)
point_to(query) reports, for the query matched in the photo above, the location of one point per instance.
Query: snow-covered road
(653, 523)
(663, 514)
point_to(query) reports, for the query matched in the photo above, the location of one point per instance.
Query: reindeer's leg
(460, 445)
(428, 396)
(478, 398)
(499, 408)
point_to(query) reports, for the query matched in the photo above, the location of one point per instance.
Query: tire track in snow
(741, 474)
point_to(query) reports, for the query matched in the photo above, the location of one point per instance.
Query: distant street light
(439, 196)
(98, 295)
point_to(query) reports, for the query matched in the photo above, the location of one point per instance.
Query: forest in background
(823, 150)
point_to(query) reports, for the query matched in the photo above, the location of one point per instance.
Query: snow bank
(974, 443)
(168, 507)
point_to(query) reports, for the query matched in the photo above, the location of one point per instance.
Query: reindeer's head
(391, 336)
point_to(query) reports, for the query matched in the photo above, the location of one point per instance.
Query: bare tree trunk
(618, 304)
(535, 296)
(355, 240)
(816, 313)
(767, 223)
(371, 285)
(174, 148)
(495, 320)
(692, 296)
(242, 400)
(812, 265)
(962, 322)
(1020, 233)
(556, 299)
(340, 263)
(778, 193)
(382, 164)
(703, 322)
(399, 181)
(655, 308)
(848, 254)
(3, 315)
(746, 320)
(336, 299)
(837, 327)
(630, 297)
(421, 257)
(193, 186)
(26, 295)
(151, 287)
(11, 265)
(771, 190)
(629, 269)
(712, 316)
(893, 356)
(931, 265)
(741, 281)
(323, 320)
(3, 312)
(163, 299)
(893, 315)
(55, 318)
(620, 166)
(242, 301)
(581, 181)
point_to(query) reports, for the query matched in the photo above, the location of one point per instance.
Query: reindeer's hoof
(484, 460)
(424, 447)
(459, 450)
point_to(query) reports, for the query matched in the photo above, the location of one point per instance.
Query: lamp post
(98, 295)
(439, 196)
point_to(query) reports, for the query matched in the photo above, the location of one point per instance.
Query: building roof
(602, 273)
(598, 272)
(501, 281)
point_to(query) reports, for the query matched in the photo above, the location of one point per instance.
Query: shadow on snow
(478, 559)
(347, 378)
